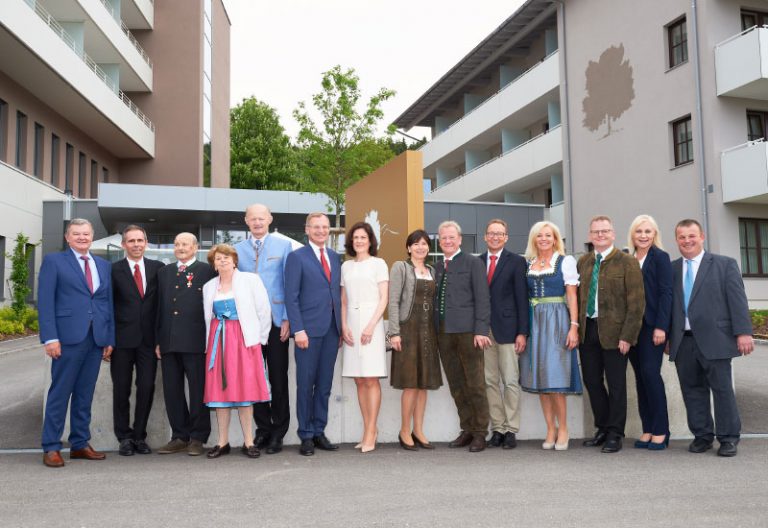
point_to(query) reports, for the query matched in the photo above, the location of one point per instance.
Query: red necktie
(137, 280)
(491, 268)
(326, 267)
(88, 277)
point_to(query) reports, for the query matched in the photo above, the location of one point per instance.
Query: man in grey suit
(463, 318)
(710, 325)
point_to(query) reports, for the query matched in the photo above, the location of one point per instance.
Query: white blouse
(568, 266)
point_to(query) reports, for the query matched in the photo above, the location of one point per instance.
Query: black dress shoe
(496, 439)
(597, 440)
(275, 445)
(727, 449)
(612, 445)
(307, 447)
(510, 441)
(407, 447)
(251, 451)
(419, 443)
(261, 440)
(142, 447)
(218, 450)
(126, 448)
(463, 440)
(322, 442)
(700, 445)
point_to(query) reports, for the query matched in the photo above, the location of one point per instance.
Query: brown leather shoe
(53, 459)
(463, 440)
(195, 448)
(177, 445)
(477, 444)
(86, 453)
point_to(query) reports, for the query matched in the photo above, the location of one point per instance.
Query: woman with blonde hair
(549, 365)
(644, 242)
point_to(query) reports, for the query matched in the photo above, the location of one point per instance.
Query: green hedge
(11, 325)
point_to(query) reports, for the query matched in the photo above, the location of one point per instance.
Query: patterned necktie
(593, 286)
(491, 268)
(88, 277)
(688, 284)
(257, 247)
(326, 267)
(137, 280)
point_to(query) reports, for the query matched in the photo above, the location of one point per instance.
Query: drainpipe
(699, 128)
(566, 126)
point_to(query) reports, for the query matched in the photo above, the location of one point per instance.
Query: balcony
(741, 64)
(555, 213)
(138, 14)
(744, 172)
(513, 106)
(525, 167)
(45, 60)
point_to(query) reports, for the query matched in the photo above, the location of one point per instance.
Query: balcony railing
(118, 20)
(51, 22)
(521, 145)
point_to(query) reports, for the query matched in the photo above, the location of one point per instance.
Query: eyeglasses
(495, 234)
(601, 232)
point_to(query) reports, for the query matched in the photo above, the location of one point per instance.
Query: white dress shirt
(142, 269)
(696, 263)
(597, 291)
(91, 264)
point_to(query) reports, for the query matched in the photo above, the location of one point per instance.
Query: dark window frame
(39, 151)
(55, 159)
(82, 173)
(3, 130)
(20, 160)
(69, 169)
(679, 158)
(680, 26)
(761, 18)
(94, 178)
(744, 246)
(762, 116)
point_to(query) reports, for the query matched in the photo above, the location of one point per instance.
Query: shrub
(10, 324)
(11, 327)
(22, 251)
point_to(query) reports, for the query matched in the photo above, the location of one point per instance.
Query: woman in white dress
(364, 297)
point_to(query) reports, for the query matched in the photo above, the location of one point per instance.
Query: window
(21, 140)
(37, 168)
(757, 122)
(105, 175)
(54, 160)
(753, 242)
(94, 178)
(3, 130)
(753, 18)
(677, 41)
(81, 176)
(682, 138)
(69, 167)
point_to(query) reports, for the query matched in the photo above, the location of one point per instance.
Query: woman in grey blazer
(415, 362)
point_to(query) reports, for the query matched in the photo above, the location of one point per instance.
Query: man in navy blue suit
(313, 303)
(77, 327)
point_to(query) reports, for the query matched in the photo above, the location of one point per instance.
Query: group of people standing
(496, 324)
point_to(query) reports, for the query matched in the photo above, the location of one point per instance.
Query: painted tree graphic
(610, 89)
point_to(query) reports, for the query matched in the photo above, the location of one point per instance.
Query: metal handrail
(510, 83)
(734, 37)
(521, 145)
(743, 145)
(119, 21)
(57, 28)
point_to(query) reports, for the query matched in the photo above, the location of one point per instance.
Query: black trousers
(121, 367)
(601, 367)
(272, 418)
(698, 376)
(646, 360)
(187, 422)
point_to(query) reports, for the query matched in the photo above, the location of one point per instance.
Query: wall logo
(372, 219)
(610, 90)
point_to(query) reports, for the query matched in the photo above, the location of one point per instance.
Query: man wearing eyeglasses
(611, 307)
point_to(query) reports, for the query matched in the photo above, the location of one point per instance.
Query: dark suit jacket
(135, 317)
(180, 317)
(467, 300)
(310, 300)
(718, 309)
(509, 297)
(66, 308)
(657, 279)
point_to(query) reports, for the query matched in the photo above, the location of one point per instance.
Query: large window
(3, 130)
(81, 168)
(21, 140)
(37, 168)
(753, 18)
(682, 138)
(753, 242)
(757, 122)
(69, 168)
(677, 42)
(55, 160)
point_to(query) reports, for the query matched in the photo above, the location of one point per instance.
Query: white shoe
(562, 447)
(548, 445)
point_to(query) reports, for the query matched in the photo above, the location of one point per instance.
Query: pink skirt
(246, 378)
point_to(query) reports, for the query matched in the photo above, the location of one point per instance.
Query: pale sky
(281, 47)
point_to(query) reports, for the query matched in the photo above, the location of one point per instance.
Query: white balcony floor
(744, 172)
(741, 64)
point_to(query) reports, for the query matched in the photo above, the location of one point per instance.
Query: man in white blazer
(265, 255)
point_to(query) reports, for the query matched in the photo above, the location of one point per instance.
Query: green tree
(261, 154)
(20, 274)
(400, 146)
(344, 147)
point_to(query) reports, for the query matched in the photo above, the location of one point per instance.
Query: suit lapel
(503, 258)
(69, 256)
(704, 267)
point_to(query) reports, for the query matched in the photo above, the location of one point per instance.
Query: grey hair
(194, 238)
(79, 222)
(449, 223)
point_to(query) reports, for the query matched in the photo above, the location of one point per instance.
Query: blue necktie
(257, 249)
(688, 284)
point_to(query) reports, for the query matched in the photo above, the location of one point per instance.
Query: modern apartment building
(118, 91)
(620, 108)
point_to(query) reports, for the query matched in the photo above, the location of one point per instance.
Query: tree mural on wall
(610, 89)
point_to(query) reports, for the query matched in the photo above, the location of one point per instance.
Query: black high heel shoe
(405, 446)
(419, 443)
(653, 446)
(218, 450)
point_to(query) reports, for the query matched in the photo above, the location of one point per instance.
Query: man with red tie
(134, 286)
(77, 327)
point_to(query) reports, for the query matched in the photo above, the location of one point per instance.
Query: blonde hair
(531, 250)
(449, 223)
(639, 219)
